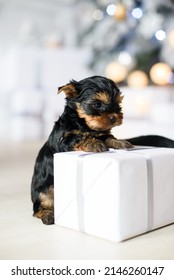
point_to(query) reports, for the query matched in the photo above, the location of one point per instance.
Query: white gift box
(114, 195)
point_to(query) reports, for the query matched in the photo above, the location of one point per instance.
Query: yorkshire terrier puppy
(93, 108)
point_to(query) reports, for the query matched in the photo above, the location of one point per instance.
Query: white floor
(25, 237)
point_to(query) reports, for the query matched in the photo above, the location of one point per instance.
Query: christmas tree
(132, 41)
(124, 35)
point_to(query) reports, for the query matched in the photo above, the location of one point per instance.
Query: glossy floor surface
(25, 237)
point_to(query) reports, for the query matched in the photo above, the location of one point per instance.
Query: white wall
(30, 104)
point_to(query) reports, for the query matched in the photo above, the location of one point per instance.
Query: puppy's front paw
(47, 216)
(118, 144)
(91, 145)
(97, 146)
(48, 219)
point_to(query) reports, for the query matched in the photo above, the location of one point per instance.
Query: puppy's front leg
(84, 141)
(114, 143)
(90, 144)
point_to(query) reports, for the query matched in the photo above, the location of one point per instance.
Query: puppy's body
(152, 140)
(93, 108)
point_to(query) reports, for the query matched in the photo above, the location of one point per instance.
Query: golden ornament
(137, 79)
(160, 73)
(120, 12)
(116, 72)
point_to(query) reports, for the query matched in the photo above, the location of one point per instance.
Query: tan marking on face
(103, 96)
(100, 123)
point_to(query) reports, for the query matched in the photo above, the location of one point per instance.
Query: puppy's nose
(112, 119)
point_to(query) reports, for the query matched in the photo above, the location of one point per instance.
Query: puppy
(93, 108)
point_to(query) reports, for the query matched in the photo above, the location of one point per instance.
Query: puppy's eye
(97, 105)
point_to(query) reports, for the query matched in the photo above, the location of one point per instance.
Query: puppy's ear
(69, 90)
(120, 98)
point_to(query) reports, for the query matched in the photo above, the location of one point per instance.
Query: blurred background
(44, 44)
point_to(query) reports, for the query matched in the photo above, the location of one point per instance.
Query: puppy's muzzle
(112, 119)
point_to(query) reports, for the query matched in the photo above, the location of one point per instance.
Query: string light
(97, 15)
(137, 13)
(126, 59)
(111, 9)
(160, 35)
(119, 70)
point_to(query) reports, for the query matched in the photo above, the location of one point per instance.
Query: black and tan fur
(93, 108)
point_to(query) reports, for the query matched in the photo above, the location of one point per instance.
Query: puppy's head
(97, 100)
